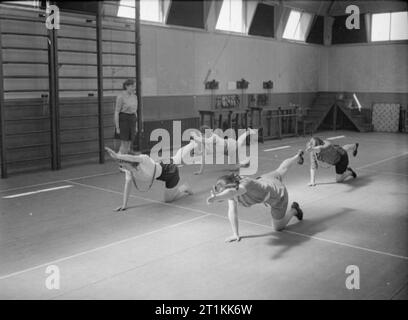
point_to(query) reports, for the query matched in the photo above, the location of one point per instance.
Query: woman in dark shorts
(331, 154)
(143, 168)
(125, 116)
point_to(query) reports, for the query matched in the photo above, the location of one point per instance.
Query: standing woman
(126, 116)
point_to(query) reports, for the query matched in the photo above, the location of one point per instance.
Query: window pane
(291, 25)
(149, 10)
(380, 27)
(399, 25)
(230, 17)
(303, 26)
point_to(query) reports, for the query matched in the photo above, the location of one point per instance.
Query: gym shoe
(300, 155)
(352, 172)
(355, 150)
(299, 211)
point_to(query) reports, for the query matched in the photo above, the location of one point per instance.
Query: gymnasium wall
(375, 72)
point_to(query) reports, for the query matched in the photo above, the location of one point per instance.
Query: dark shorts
(342, 165)
(127, 126)
(170, 175)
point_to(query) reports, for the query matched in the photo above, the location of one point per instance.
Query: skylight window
(389, 26)
(231, 17)
(297, 26)
(150, 10)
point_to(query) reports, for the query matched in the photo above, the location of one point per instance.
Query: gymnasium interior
(293, 70)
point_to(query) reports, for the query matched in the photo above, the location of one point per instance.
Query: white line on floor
(334, 138)
(384, 160)
(98, 248)
(205, 214)
(35, 192)
(58, 181)
(249, 222)
(385, 172)
(277, 148)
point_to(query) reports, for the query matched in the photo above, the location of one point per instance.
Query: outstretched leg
(353, 147)
(187, 149)
(286, 164)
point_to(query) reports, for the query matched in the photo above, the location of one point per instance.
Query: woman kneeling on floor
(143, 168)
(267, 189)
(331, 154)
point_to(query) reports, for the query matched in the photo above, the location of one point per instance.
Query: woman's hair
(315, 141)
(228, 181)
(127, 83)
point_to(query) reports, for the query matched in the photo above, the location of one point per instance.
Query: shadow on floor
(309, 228)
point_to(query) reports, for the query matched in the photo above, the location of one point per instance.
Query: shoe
(355, 150)
(299, 211)
(300, 155)
(352, 172)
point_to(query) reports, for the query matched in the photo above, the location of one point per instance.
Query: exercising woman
(229, 146)
(268, 189)
(331, 154)
(143, 168)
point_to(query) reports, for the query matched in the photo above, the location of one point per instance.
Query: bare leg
(241, 141)
(280, 224)
(286, 164)
(178, 157)
(123, 147)
(344, 176)
(350, 147)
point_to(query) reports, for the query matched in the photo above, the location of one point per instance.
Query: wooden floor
(177, 251)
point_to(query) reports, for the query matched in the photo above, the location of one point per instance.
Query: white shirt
(144, 171)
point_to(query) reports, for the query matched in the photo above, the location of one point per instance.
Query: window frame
(244, 27)
(162, 14)
(307, 31)
(389, 33)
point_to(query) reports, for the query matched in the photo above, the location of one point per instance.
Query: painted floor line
(384, 160)
(35, 192)
(335, 138)
(205, 214)
(58, 181)
(277, 148)
(385, 172)
(98, 248)
(253, 223)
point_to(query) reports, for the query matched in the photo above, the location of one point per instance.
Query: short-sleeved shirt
(330, 155)
(126, 103)
(146, 169)
(269, 190)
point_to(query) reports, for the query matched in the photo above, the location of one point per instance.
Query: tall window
(297, 25)
(150, 10)
(389, 26)
(231, 16)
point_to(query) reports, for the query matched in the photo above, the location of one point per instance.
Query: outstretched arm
(126, 192)
(313, 168)
(227, 194)
(233, 218)
(324, 146)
